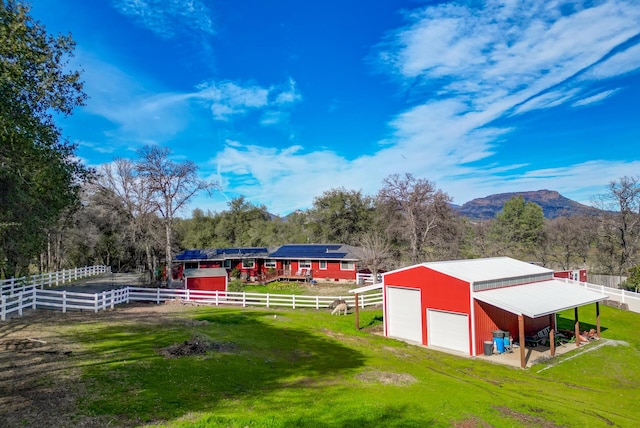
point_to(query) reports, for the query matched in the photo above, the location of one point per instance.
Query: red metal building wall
(490, 318)
(212, 283)
(439, 291)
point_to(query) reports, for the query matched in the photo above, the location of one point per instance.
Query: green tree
(243, 224)
(39, 174)
(519, 226)
(340, 216)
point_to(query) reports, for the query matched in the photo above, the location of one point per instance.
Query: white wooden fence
(35, 298)
(50, 279)
(631, 299)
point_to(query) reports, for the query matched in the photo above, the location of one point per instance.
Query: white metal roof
(204, 272)
(539, 298)
(367, 288)
(474, 270)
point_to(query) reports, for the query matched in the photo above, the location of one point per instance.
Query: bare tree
(619, 240)
(172, 185)
(567, 240)
(376, 251)
(413, 208)
(134, 198)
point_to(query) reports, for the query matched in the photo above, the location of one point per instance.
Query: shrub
(235, 286)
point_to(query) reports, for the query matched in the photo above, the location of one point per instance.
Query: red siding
(490, 318)
(582, 274)
(439, 291)
(213, 283)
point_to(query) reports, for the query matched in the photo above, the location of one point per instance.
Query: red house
(456, 305)
(322, 262)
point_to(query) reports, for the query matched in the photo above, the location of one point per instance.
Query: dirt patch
(386, 378)
(525, 419)
(199, 344)
(470, 423)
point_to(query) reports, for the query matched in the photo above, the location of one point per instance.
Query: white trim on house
(304, 264)
(248, 263)
(322, 264)
(350, 265)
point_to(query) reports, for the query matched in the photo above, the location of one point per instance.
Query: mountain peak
(553, 205)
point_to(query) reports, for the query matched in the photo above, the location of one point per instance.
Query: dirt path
(105, 282)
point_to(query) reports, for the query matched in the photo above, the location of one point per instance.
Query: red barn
(456, 305)
(209, 279)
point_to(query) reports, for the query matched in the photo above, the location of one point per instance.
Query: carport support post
(577, 325)
(357, 314)
(523, 342)
(552, 337)
(598, 319)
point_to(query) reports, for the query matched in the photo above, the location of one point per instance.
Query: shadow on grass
(569, 324)
(130, 378)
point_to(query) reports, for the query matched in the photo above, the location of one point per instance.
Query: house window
(347, 266)
(304, 264)
(227, 264)
(323, 264)
(191, 265)
(270, 264)
(248, 263)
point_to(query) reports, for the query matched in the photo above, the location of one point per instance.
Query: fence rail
(36, 298)
(50, 279)
(631, 299)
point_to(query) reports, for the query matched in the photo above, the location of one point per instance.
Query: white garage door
(448, 330)
(404, 315)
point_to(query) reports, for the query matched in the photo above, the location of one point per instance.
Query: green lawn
(305, 368)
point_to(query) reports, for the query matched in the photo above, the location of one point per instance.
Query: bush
(235, 286)
(279, 286)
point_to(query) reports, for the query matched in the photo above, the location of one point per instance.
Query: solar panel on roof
(309, 251)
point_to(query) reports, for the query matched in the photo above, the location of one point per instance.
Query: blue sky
(281, 100)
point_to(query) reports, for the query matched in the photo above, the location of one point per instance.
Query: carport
(541, 299)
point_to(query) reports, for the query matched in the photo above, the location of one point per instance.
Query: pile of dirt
(199, 344)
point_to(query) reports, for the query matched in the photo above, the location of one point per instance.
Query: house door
(286, 266)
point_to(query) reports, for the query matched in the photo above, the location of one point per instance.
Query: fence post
(95, 303)
(188, 294)
(623, 291)
(157, 296)
(64, 301)
(217, 294)
(3, 309)
(244, 299)
(33, 298)
(293, 301)
(317, 302)
(267, 300)
(20, 303)
(104, 300)
(113, 295)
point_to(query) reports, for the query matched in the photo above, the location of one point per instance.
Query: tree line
(56, 213)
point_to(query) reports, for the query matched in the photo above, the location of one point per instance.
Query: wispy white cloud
(465, 68)
(167, 18)
(593, 99)
(230, 99)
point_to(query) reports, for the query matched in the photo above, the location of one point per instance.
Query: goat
(340, 307)
(336, 303)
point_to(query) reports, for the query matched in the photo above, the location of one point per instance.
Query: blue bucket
(499, 343)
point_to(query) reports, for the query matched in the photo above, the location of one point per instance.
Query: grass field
(305, 368)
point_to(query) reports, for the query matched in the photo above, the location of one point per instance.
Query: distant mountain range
(553, 205)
